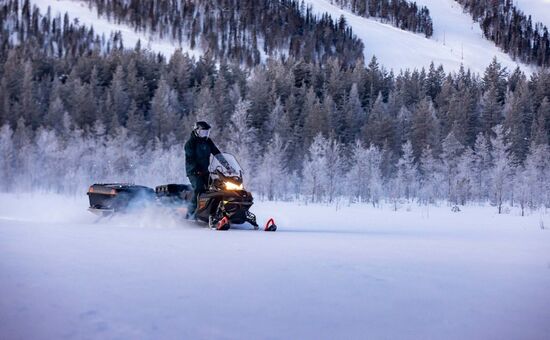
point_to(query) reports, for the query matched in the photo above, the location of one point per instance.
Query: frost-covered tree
(516, 113)
(536, 175)
(314, 117)
(22, 143)
(334, 169)
(242, 140)
(271, 175)
(49, 155)
(481, 167)
(354, 114)
(540, 128)
(365, 178)
(501, 172)
(7, 154)
(164, 113)
(464, 180)
(323, 170)
(425, 128)
(313, 172)
(206, 109)
(431, 177)
(136, 123)
(491, 109)
(521, 188)
(119, 95)
(407, 172)
(452, 150)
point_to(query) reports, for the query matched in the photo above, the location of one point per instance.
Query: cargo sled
(114, 197)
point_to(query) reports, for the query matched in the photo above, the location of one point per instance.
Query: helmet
(201, 125)
(201, 129)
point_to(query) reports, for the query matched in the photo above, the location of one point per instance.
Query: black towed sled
(109, 198)
(224, 203)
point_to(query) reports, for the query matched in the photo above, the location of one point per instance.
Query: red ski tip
(223, 224)
(270, 225)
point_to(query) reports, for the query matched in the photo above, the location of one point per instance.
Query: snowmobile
(225, 202)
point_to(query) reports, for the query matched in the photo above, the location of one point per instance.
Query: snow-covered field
(353, 272)
(457, 39)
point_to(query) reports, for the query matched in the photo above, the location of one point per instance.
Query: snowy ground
(356, 272)
(457, 39)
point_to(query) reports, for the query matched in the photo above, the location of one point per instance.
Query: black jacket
(197, 155)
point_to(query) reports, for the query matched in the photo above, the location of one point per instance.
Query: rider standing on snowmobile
(198, 149)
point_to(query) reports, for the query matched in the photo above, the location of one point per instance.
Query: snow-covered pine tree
(7, 154)
(452, 150)
(49, 159)
(314, 170)
(540, 128)
(425, 128)
(334, 169)
(491, 110)
(271, 176)
(502, 170)
(464, 176)
(537, 168)
(242, 141)
(119, 95)
(431, 177)
(407, 172)
(354, 114)
(164, 113)
(481, 167)
(365, 178)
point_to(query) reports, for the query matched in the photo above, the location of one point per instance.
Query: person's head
(201, 129)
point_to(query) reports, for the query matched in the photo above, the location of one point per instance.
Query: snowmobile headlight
(233, 186)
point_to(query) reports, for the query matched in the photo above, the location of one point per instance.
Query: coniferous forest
(317, 123)
(511, 29)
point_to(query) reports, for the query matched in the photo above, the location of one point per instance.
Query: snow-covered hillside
(539, 10)
(457, 39)
(78, 10)
(353, 273)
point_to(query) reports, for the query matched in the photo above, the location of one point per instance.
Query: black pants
(199, 184)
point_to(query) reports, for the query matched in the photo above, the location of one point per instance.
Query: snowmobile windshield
(234, 167)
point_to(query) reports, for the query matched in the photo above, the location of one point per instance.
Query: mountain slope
(87, 16)
(235, 30)
(457, 39)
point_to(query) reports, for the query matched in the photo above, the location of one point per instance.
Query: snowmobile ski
(270, 225)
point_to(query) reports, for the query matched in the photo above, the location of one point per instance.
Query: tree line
(399, 13)
(512, 30)
(318, 131)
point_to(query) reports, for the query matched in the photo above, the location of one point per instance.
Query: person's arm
(213, 148)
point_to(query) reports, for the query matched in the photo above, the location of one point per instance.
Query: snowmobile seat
(174, 192)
